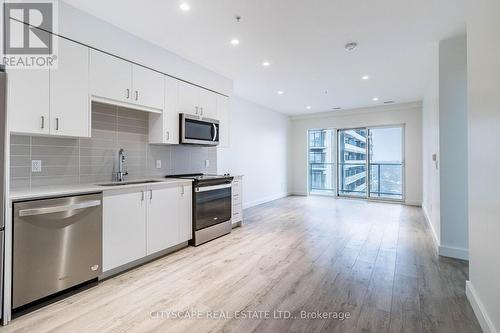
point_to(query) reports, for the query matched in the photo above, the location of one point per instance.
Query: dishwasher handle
(58, 209)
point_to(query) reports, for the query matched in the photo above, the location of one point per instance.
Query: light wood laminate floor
(375, 261)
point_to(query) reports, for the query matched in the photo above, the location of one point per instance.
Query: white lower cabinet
(140, 222)
(124, 228)
(185, 209)
(237, 201)
(163, 219)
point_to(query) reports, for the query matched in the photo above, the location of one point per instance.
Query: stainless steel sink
(130, 183)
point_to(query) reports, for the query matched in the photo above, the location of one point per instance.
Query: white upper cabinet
(28, 101)
(208, 104)
(110, 77)
(189, 99)
(52, 101)
(164, 128)
(117, 81)
(224, 117)
(148, 87)
(69, 91)
(197, 101)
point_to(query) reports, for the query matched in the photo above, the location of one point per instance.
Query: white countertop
(63, 190)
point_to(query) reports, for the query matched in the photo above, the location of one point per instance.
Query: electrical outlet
(158, 164)
(36, 166)
(207, 163)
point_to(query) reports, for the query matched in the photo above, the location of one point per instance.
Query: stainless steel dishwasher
(57, 245)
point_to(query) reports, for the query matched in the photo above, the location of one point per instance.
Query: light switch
(158, 164)
(36, 166)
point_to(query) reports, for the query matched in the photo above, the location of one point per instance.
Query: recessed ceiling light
(184, 6)
(235, 41)
(280, 92)
(308, 107)
(266, 63)
(365, 77)
(375, 99)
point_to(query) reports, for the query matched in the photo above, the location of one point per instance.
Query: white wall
(444, 127)
(258, 150)
(85, 28)
(453, 147)
(483, 53)
(408, 114)
(430, 146)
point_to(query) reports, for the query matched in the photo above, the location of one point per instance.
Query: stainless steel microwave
(198, 131)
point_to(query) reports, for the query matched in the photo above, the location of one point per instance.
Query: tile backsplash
(95, 159)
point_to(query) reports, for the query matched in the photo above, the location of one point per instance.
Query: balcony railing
(322, 177)
(385, 179)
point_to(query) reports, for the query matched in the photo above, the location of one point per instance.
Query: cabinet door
(224, 117)
(171, 111)
(208, 103)
(69, 91)
(189, 98)
(110, 77)
(163, 219)
(185, 212)
(148, 87)
(124, 229)
(28, 100)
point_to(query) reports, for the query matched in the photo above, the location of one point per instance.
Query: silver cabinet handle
(57, 124)
(150, 195)
(58, 209)
(142, 195)
(168, 135)
(201, 111)
(128, 93)
(196, 109)
(43, 122)
(136, 95)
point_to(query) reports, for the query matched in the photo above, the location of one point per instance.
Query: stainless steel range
(211, 206)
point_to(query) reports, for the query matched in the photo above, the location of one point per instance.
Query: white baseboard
(454, 252)
(264, 200)
(431, 226)
(299, 193)
(479, 310)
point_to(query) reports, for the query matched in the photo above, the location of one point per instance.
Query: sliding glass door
(352, 162)
(386, 162)
(370, 162)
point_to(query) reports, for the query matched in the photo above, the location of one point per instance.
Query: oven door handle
(211, 188)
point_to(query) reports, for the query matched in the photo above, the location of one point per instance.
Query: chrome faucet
(120, 175)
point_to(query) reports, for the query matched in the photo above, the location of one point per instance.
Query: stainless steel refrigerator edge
(3, 91)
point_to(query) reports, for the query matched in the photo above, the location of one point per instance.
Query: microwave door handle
(215, 132)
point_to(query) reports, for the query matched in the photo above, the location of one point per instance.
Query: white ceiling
(304, 41)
